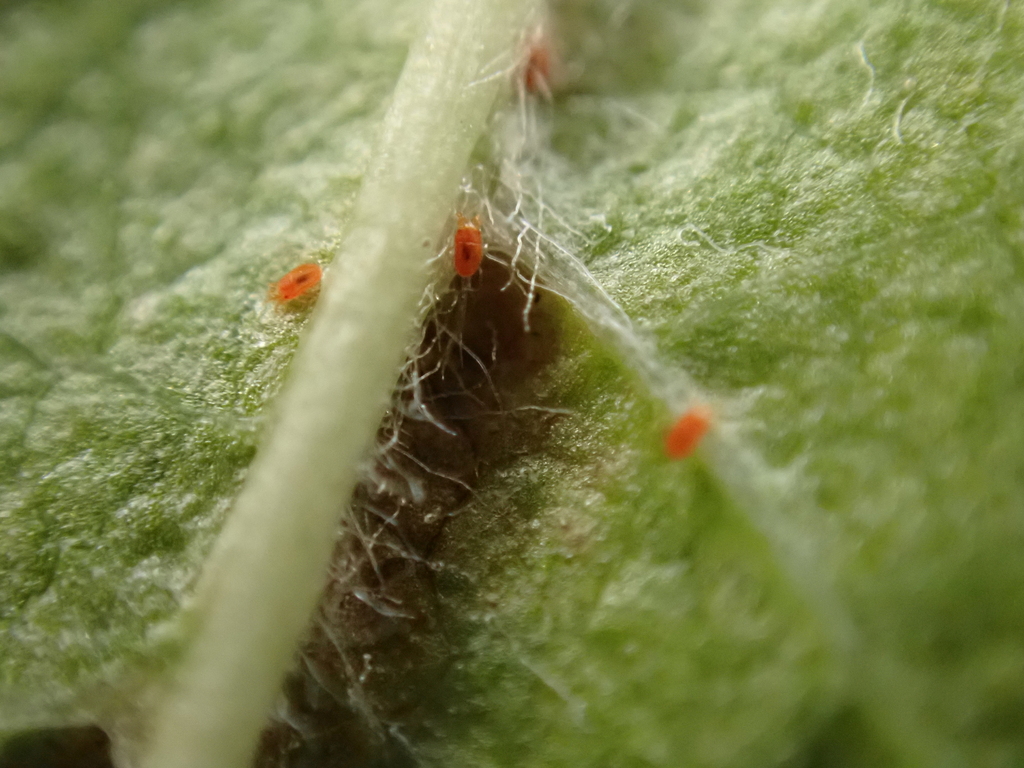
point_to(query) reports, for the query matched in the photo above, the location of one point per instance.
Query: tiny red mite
(537, 74)
(295, 283)
(469, 246)
(682, 439)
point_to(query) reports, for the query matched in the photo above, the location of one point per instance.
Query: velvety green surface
(812, 208)
(815, 209)
(160, 165)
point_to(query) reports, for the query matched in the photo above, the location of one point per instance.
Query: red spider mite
(537, 74)
(469, 246)
(295, 283)
(682, 439)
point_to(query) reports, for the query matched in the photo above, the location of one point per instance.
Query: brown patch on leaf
(377, 649)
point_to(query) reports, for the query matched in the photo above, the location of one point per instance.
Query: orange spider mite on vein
(537, 72)
(684, 436)
(469, 246)
(295, 283)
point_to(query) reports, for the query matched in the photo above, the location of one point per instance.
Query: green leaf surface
(812, 210)
(160, 165)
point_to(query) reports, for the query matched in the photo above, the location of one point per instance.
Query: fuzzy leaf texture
(811, 209)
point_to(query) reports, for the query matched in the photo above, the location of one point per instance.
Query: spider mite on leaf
(536, 68)
(469, 246)
(684, 436)
(295, 283)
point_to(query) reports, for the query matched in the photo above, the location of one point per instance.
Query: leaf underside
(814, 210)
